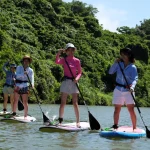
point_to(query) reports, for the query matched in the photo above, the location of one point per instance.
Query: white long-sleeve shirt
(23, 77)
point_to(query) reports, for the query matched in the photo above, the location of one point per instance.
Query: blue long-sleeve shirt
(9, 75)
(130, 72)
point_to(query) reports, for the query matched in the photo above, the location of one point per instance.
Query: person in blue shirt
(8, 89)
(121, 94)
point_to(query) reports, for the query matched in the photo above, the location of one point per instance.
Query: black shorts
(24, 90)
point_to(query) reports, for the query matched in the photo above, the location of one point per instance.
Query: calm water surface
(19, 136)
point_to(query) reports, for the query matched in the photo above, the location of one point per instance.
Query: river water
(26, 136)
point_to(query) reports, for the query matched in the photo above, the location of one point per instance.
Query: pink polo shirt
(74, 64)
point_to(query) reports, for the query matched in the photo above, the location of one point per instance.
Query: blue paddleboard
(123, 132)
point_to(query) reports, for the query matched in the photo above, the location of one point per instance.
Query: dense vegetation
(40, 27)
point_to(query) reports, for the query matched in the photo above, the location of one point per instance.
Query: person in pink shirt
(68, 85)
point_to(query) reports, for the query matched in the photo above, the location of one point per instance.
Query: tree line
(40, 27)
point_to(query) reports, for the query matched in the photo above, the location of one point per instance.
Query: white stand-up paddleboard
(4, 114)
(70, 127)
(123, 132)
(19, 119)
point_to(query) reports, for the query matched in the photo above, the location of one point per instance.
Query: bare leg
(12, 100)
(5, 101)
(132, 114)
(76, 107)
(25, 104)
(16, 98)
(62, 105)
(116, 114)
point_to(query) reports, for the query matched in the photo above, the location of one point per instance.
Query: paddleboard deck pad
(4, 113)
(19, 119)
(66, 127)
(123, 132)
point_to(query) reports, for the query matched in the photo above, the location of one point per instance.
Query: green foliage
(40, 27)
(145, 26)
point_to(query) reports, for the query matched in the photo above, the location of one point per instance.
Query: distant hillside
(40, 27)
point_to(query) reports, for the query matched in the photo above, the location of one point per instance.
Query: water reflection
(28, 137)
(121, 144)
(68, 140)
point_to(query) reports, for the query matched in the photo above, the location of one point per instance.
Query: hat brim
(30, 59)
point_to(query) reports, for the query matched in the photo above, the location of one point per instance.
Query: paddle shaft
(132, 94)
(82, 97)
(34, 91)
(44, 117)
(20, 104)
(77, 85)
(94, 124)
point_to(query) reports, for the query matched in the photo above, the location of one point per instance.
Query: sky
(117, 13)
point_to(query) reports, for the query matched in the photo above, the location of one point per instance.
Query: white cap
(70, 45)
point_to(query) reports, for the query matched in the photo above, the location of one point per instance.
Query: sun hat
(27, 57)
(69, 45)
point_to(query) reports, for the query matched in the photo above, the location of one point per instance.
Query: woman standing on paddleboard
(8, 89)
(22, 84)
(122, 91)
(68, 85)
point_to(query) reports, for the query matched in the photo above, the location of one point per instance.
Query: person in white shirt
(22, 84)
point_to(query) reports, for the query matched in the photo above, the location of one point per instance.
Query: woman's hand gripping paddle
(45, 119)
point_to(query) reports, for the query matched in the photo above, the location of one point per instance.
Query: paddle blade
(20, 106)
(94, 124)
(45, 119)
(147, 133)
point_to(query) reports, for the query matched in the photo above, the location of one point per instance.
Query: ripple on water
(27, 136)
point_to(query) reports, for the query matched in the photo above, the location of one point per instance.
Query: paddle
(94, 124)
(20, 104)
(147, 131)
(45, 119)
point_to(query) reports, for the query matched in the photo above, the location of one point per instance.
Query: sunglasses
(70, 49)
(13, 67)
